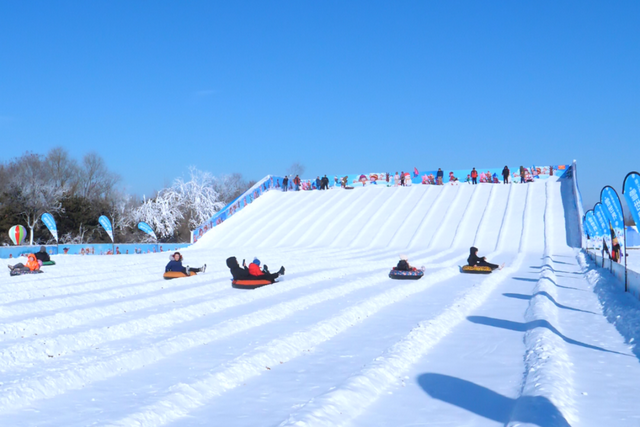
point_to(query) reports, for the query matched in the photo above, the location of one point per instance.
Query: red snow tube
(249, 284)
(176, 274)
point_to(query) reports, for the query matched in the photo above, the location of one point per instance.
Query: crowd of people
(404, 179)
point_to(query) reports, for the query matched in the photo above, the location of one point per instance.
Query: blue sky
(340, 86)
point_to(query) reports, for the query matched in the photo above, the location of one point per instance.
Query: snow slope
(106, 341)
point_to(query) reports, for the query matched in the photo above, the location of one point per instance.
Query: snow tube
(249, 284)
(406, 275)
(49, 263)
(20, 271)
(176, 274)
(348, 188)
(476, 269)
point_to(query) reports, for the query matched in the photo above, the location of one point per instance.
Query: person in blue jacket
(176, 265)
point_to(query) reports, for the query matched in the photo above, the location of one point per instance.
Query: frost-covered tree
(35, 192)
(184, 205)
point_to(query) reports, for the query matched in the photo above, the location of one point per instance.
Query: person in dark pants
(505, 175)
(242, 273)
(474, 176)
(325, 183)
(522, 175)
(285, 183)
(475, 260)
(296, 182)
(439, 177)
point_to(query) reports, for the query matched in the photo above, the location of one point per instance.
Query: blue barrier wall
(94, 249)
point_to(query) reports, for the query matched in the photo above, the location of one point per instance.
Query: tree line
(76, 193)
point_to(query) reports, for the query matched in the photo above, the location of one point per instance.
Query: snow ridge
(548, 369)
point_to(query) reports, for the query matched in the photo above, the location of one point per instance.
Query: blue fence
(94, 249)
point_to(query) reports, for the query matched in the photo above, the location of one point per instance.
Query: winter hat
(473, 250)
(404, 257)
(256, 261)
(43, 249)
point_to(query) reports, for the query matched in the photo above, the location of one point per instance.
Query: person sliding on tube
(251, 273)
(42, 255)
(31, 265)
(474, 260)
(176, 265)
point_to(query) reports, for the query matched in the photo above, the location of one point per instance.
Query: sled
(406, 275)
(19, 272)
(176, 274)
(348, 188)
(249, 284)
(49, 263)
(476, 269)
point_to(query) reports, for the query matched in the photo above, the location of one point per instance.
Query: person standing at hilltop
(522, 174)
(285, 183)
(505, 175)
(439, 177)
(474, 176)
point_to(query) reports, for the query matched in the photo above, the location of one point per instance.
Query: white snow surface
(547, 341)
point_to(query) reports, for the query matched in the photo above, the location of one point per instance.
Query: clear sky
(340, 86)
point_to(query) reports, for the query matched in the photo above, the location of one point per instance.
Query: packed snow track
(547, 341)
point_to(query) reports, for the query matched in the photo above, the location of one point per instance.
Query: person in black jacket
(474, 260)
(242, 273)
(505, 175)
(42, 255)
(285, 183)
(439, 177)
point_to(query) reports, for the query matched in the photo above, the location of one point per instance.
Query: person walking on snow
(505, 175)
(474, 176)
(474, 260)
(285, 183)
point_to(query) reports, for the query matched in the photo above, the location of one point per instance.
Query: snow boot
(281, 271)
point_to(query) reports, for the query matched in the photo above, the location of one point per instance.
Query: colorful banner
(429, 177)
(17, 233)
(613, 210)
(48, 220)
(106, 224)
(592, 225)
(147, 229)
(603, 221)
(631, 192)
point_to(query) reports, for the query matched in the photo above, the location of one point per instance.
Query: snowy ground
(547, 341)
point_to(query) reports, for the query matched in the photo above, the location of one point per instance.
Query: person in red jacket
(474, 176)
(254, 269)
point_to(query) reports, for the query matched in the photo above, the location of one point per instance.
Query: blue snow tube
(406, 275)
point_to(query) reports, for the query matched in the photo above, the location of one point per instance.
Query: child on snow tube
(32, 266)
(475, 261)
(251, 273)
(176, 265)
(404, 270)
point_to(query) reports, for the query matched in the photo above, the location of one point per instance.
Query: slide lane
(418, 196)
(412, 221)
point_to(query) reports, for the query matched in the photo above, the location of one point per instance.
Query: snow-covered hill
(546, 341)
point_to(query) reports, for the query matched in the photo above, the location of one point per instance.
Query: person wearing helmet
(176, 265)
